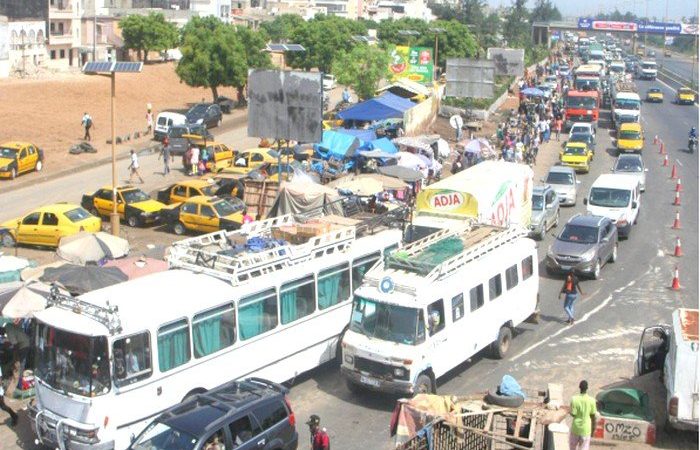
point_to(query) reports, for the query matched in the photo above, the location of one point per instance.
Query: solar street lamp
(110, 69)
(409, 33)
(436, 31)
(283, 48)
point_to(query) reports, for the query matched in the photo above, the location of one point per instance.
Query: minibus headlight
(349, 359)
(399, 372)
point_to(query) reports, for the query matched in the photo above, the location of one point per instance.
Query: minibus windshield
(387, 322)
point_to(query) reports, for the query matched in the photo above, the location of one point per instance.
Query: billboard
(414, 63)
(605, 25)
(285, 105)
(468, 77)
(508, 61)
(640, 26)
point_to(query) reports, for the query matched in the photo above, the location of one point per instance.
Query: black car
(245, 415)
(226, 104)
(178, 143)
(208, 114)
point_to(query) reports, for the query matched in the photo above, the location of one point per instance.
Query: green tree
(254, 43)
(516, 29)
(456, 41)
(362, 68)
(280, 29)
(545, 11)
(211, 55)
(388, 31)
(148, 33)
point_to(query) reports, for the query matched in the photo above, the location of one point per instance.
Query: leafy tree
(516, 30)
(280, 29)
(323, 37)
(211, 55)
(388, 31)
(544, 11)
(148, 33)
(362, 68)
(254, 42)
(456, 42)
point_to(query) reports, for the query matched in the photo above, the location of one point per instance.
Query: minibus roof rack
(107, 316)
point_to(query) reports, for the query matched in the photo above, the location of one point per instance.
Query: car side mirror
(634, 205)
(646, 170)
(578, 181)
(585, 201)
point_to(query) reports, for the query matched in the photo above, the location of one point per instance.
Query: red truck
(581, 106)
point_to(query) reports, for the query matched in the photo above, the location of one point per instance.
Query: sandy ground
(48, 112)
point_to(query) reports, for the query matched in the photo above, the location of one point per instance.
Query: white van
(164, 121)
(675, 348)
(617, 197)
(435, 303)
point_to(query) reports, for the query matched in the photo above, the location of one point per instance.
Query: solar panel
(98, 67)
(295, 48)
(360, 38)
(409, 33)
(127, 67)
(276, 47)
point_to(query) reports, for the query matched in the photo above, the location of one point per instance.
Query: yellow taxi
(218, 156)
(630, 137)
(271, 171)
(685, 96)
(330, 120)
(576, 155)
(655, 95)
(133, 205)
(204, 214)
(47, 225)
(180, 192)
(250, 159)
(19, 157)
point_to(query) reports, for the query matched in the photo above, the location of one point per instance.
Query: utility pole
(646, 18)
(94, 35)
(665, 21)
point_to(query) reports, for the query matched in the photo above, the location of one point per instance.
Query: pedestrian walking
(134, 167)
(165, 154)
(570, 289)
(558, 123)
(3, 406)
(583, 410)
(149, 121)
(87, 124)
(194, 161)
(319, 437)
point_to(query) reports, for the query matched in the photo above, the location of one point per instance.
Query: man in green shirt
(583, 410)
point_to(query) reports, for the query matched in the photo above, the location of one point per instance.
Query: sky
(657, 8)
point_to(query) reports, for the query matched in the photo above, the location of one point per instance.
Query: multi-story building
(22, 36)
(216, 8)
(64, 33)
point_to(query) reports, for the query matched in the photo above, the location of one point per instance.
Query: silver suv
(564, 182)
(586, 243)
(545, 211)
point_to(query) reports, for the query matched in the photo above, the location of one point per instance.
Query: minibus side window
(457, 307)
(297, 299)
(495, 287)
(173, 345)
(333, 286)
(476, 297)
(257, 314)
(436, 317)
(132, 358)
(512, 277)
(360, 267)
(527, 267)
(213, 330)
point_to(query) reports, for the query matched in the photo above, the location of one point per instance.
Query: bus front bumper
(377, 384)
(72, 435)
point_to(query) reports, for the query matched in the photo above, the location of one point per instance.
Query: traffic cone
(677, 222)
(676, 283)
(674, 172)
(678, 252)
(677, 200)
(656, 139)
(665, 164)
(679, 187)
(662, 148)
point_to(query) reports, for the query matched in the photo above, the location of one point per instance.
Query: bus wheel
(500, 346)
(424, 385)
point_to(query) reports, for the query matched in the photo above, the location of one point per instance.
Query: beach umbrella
(532, 92)
(20, 300)
(83, 248)
(81, 279)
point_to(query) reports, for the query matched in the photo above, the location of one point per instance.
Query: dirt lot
(48, 112)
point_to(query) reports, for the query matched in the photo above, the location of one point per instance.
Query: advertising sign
(508, 61)
(468, 77)
(414, 63)
(605, 25)
(587, 23)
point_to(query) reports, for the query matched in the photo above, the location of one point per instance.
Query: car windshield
(580, 129)
(77, 214)
(628, 134)
(628, 165)
(617, 69)
(273, 153)
(580, 137)
(685, 91)
(537, 202)
(159, 436)
(560, 178)
(387, 322)
(134, 196)
(70, 362)
(648, 66)
(586, 85)
(227, 207)
(609, 197)
(198, 109)
(580, 102)
(579, 234)
(654, 90)
(575, 151)
(628, 104)
(7, 152)
(209, 190)
(177, 132)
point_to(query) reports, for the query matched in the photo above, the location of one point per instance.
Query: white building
(64, 33)
(27, 47)
(216, 8)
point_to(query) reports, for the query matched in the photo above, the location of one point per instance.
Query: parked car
(329, 82)
(165, 121)
(180, 192)
(133, 205)
(545, 211)
(632, 165)
(655, 95)
(576, 155)
(616, 197)
(19, 157)
(204, 214)
(226, 104)
(208, 114)
(250, 159)
(47, 225)
(586, 244)
(564, 182)
(179, 136)
(245, 415)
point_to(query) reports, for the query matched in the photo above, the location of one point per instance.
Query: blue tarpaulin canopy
(384, 144)
(337, 145)
(363, 135)
(385, 106)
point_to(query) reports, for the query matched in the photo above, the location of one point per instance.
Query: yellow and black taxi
(180, 192)
(655, 95)
(46, 226)
(19, 157)
(630, 137)
(576, 155)
(685, 96)
(331, 120)
(133, 205)
(272, 171)
(204, 214)
(250, 159)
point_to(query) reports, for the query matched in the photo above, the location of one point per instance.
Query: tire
(499, 347)
(179, 228)
(13, 173)
(596, 271)
(353, 387)
(556, 220)
(133, 221)
(424, 385)
(8, 240)
(39, 165)
(494, 398)
(613, 255)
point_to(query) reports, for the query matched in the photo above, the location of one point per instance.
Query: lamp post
(436, 31)
(110, 69)
(409, 34)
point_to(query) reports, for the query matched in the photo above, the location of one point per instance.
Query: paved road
(679, 64)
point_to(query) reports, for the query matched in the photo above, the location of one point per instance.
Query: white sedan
(582, 127)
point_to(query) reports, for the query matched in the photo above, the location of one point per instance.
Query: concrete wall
(421, 117)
